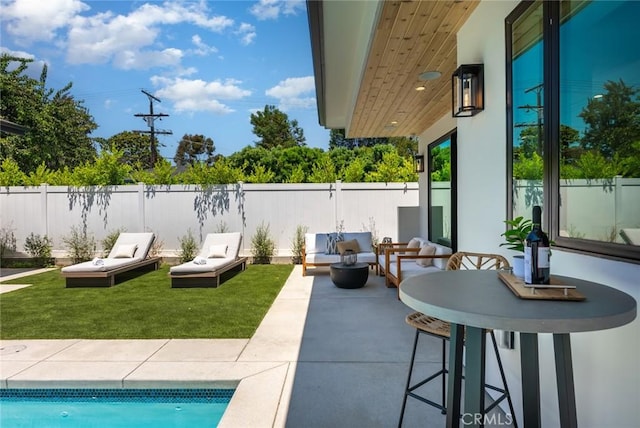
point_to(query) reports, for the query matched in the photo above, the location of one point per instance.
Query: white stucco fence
(170, 211)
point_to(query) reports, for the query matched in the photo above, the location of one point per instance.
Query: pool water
(112, 408)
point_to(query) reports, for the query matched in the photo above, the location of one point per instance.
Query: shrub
(297, 244)
(188, 247)
(109, 241)
(262, 246)
(81, 246)
(39, 247)
(221, 227)
(7, 241)
(156, 247)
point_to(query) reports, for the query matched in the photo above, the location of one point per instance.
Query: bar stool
(432, 326)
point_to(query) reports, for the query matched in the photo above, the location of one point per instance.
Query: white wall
(606, 363)
(170, 211)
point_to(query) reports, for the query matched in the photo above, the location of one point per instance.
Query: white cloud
(247, 33)
(36, 20)
(198, 95)
(294, 93)
(271, 9)
(106, 37)
(202, 48)
(144, 60)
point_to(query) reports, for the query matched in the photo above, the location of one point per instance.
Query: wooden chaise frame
(204, 279)
(107, 278)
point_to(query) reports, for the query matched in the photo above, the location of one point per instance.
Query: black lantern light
(467, 90)
(418, 163)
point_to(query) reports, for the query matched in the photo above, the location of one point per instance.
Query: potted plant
(515, 238)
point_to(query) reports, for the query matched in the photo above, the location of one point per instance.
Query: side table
(349, 276)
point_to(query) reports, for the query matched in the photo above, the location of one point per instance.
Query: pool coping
(261, 368)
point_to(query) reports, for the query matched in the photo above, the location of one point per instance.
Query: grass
(142, 307)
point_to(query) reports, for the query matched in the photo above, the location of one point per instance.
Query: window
(441, 188)
(573, 92)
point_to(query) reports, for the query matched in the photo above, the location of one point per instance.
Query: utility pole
(151, 119)
(539, 110)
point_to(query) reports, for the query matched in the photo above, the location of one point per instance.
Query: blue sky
(211, 63)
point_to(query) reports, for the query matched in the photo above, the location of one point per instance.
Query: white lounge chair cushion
(218, 251)
(107, 265)
(211, 265)
(143, 241)
(231, 239)
(229, 243)
(125, 251)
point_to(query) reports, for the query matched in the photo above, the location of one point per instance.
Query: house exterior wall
(607, 379)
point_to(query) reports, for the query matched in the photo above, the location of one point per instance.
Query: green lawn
(142, 307)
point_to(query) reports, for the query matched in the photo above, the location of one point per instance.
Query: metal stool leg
(410, 388)
(504, 379)
(406, 390)
(444, 376)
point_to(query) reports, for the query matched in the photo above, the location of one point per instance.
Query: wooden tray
(518, 287)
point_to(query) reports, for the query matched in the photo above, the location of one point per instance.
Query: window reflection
(600, 120)
(440, 191)
(528, 126)
(594, 178)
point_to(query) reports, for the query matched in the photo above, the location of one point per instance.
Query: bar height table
(479, 300)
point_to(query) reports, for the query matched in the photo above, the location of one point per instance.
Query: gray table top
(481, 299)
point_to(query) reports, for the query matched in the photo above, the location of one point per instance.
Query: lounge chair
(129, 253)
(219, 254)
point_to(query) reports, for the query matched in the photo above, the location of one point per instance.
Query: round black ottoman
(349, 276)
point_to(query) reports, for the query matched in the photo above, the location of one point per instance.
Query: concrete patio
(322, 356)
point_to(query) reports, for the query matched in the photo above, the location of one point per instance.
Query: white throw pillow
(427, 250)
(217, 251)
(125, 251)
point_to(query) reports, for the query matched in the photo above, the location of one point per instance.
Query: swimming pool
(112, 408)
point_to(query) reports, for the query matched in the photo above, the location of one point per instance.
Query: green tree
(194, 148)
(222, 172)
(324, 171)
(405, 146)
(274, 129)
(527, 168)
(441, 163)
(162, 173)
(613, 121)
(392, 168)
(57, 125)
(260, 175)
(337, 140)
(135, 148)
(107, 170)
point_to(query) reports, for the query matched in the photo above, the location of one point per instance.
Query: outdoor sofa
(322, 249)
(398, 261)
(219, 254)
(129, 252)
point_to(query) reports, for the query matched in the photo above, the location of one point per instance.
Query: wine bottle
(536, 252)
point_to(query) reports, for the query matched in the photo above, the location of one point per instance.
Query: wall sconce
(467, 90)
(418, 163)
